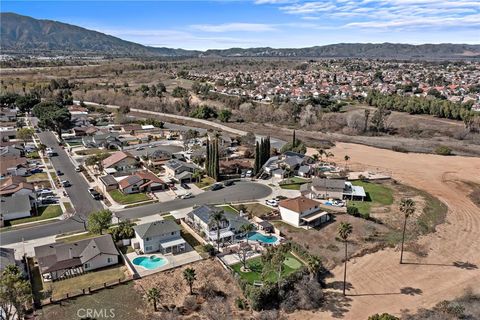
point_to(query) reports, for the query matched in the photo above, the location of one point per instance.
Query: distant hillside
(25, 34)
(21, 34)
(361, 50)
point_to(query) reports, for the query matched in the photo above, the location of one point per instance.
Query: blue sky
(275, 23)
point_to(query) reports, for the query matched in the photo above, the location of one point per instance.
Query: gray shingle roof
(16, 203)
(57, 256)
(156, 228)
(205, 211)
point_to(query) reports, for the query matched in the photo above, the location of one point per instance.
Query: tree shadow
(336, 304)
(338, 285)
(411, 291)
(458, 264)
(465, 265)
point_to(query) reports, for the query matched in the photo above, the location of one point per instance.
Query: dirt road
(378, 283)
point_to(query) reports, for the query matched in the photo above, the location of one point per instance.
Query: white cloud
(233, 27)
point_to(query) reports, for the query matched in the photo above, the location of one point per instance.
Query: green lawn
(77, 237)
(88, 152)
(121, 198)
(33, 155)
(294, 180)
(377, 195)
(41, 176)
(168, 217)
(257, 209)
(228, 208)
(294, 186)
(68, 207)
(290, 265)
(205, 182)
(281, 224)
(48, 212)
(193, 242)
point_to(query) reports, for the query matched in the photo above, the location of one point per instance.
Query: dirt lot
(215, 290)
(377, 282)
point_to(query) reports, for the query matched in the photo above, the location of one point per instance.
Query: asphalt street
(81, 199)
(240, 191)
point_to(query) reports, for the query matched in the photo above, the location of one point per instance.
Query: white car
(187, 195)
(272, 202)
(78, 169)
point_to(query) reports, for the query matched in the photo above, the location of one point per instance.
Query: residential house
(120, 162)
(8, 115)
(180, 170)
(301, 211)
(15, 185)
(58, 260)
(7, 258)
(158, 158)
(110, 140)
(7, 134)
(13, 166)
(141, 181)
(15, 151)
(323, 188)
(159, 236)
(230, 228)
(108, 183)
(15, 207)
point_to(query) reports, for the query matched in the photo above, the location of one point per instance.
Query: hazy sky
(275, 23)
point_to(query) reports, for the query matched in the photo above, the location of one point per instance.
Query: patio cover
(314, 216)
(223, 234)
(171, 243)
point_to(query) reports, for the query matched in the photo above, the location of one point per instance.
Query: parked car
(65, 183)
(249, 173)
(228, 183)
(187, 195)
(95, 194)
(139, 148)
(216, 186)
(185, 186)
(59, 173)
(49, 201)
(78, 168)
(272, 202)
(243, 175)
(36, 170)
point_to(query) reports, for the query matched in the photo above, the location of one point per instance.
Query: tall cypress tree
(257, 158)
(207, 159)
(294, 142)
(217, 161)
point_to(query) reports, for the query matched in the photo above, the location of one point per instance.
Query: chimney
(70, 253)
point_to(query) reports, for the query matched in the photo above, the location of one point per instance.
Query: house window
(109, 260)
(86, 265)
(147, 239)
(173, 233)
(149, 248)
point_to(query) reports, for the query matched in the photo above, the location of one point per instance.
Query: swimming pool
(257, 236)
(150, 263)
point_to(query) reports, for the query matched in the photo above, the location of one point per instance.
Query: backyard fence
(83, 291)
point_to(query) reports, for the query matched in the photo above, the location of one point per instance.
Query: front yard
(48, 212)
(293, 183)
(41, 176)
(290, 264)
(205, 182)
(377, 195)
(122, 198)
(256, 209)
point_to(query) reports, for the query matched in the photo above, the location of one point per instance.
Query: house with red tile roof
(302, 212)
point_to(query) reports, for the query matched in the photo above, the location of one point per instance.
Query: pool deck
(174, 260)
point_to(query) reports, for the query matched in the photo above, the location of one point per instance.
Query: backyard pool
(257, 236)
(150, 263)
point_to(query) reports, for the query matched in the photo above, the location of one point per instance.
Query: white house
(159, 236)
(301, 211)
(230, 227)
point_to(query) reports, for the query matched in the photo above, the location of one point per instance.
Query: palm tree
(407, 206)
(313, 265)
(321, 153)
(344, 231)
(347, 157)
(153, 296)
(246, 228)
(216, 219)
(190, 276)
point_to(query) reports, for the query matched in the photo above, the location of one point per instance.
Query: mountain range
(22, 34)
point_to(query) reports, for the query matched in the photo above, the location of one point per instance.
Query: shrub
(443, 150)
(383, 316)
(353, 211)
(210, 249)
(399, 149)
(240, 303)
(365, 215)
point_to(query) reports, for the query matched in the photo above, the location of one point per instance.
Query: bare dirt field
(215, 290)
(377, 282)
